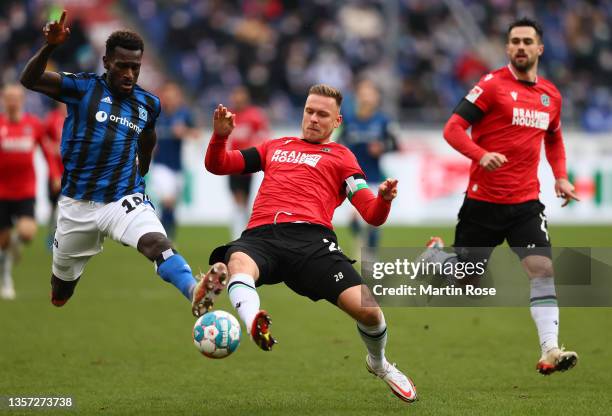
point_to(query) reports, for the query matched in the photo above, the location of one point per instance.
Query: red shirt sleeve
(219, 160)
(47, 150)
(373, 209)
(555, 153)
(262, 149)
(483, 93)
(456, 135)
(553, 145)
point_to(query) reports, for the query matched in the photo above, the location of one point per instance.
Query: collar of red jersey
(520, 80)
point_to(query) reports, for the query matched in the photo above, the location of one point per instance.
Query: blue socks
(173, 268)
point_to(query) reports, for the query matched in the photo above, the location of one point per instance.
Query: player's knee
(5, 238)
(168, 203)
(151, 245)
(242, 263)
(240, 198)
(538, 266)
(370, 316)
(26, 229)
(27, 235)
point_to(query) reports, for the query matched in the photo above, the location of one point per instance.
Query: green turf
(123, 346)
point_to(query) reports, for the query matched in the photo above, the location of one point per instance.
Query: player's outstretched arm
(374, 209)
(34, 76)
(218, 159)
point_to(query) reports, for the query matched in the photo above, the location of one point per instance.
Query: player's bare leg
(545, 314)
(358, 302)
(24, 232)
(7, 289)
(243, 296)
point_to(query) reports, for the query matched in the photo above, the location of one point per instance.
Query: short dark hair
(326, 91)
(525, 21)
(124, 39)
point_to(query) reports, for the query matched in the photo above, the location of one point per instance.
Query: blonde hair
(326, 91)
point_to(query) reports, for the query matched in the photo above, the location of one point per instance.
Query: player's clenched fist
(55, 32)
(388, 189)
(492, 160)
(223, 121)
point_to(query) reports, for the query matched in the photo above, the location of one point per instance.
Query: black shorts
(11, 209)
(484, 225)
(240, 183)
(306, 257)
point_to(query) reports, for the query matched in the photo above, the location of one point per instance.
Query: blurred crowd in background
(423, 54)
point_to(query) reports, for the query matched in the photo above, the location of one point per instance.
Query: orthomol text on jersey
(285, 156)
(102, 116)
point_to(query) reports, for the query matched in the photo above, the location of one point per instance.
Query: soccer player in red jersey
(20, 134)
(53, 124)
(251, 129)
(289, 237)
(511, 111)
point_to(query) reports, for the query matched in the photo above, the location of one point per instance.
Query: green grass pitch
(123, 346)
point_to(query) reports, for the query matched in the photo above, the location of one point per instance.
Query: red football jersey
(251, 128)
(517, 115)
(302, 181)
(18, 140)
(54, 123)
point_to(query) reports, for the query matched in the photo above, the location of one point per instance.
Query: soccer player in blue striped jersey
(107, 142)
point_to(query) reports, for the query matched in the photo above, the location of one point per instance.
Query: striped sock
(244, 297)
(375, 339)
(545, 311)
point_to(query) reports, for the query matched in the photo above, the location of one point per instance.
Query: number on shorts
(543, 226)
(129, 207)
(332, 245)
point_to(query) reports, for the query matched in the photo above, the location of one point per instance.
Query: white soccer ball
(216, 334)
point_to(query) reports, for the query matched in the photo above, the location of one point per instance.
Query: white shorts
(165, 182)
(83, 225)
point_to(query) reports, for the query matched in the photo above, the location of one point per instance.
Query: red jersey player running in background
(20, 134)
(251, 129)
(289, 237)
(511, 110)
(54, 124)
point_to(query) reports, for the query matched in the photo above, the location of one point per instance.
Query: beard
(523, 66)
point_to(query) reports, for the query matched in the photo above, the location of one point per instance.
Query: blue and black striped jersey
(100, 138)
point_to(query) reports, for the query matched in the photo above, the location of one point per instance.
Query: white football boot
(556, 359)
(7, 292)
(398, 382)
